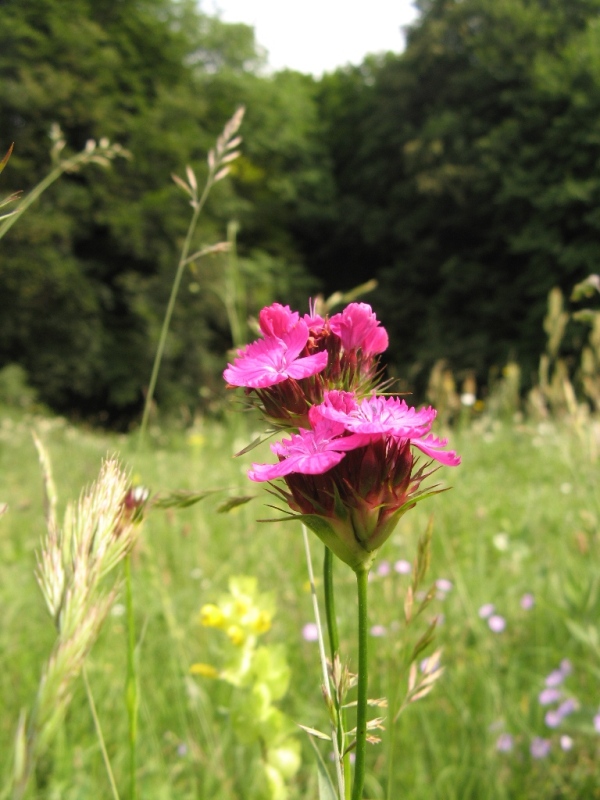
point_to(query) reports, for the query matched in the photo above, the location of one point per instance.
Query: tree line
(463, 174)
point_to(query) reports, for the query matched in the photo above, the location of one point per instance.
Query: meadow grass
(522, 517)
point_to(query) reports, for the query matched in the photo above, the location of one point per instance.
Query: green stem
(131, 689)
(332, 629)
(170, 307)
(31, 198)
(90, 696)
(363, 677)
(334, 645)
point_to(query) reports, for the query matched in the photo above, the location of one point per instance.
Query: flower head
(275, 359)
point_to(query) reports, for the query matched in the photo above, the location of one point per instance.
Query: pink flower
(277, 320)
(270, 361)
(310, 452)
(358, 328)
(388, 415)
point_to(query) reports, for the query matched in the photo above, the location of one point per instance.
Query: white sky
(316, 36)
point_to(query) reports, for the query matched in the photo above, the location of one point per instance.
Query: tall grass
(522, 517)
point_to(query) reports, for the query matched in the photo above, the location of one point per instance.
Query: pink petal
(307, 366)
(431, 446)
(277, 320)
(306, 463)
(356, 326)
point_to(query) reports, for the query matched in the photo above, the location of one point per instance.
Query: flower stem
(334, 645)
(131, 689)
(362, 577)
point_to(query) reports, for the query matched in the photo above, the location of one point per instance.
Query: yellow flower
(262, 622)
(211, 616)
(205, 670)
(236, 634)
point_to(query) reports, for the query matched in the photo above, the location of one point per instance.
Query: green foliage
(466, 177)
(86, 273)
(523, 516)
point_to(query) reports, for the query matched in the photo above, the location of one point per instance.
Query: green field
(522, 517)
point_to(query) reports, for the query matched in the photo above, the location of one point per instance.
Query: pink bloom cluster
(348, 465)
(299, 358)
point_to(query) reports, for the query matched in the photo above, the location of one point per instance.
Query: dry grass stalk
(97, 533)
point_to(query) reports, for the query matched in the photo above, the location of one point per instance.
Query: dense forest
(462, 174)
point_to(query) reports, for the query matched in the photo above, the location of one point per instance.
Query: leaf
(4, 161)
(234, 502)
(326, 790)
(314, 732)
(181, 498)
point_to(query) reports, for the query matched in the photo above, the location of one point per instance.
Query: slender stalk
(169, 312)
(323, 657)
(131, 688)
(363, 677)
(31, 198)
(90, 697)
(334, 645)
(334, 639)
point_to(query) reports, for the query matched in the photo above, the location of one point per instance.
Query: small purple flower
(504, 743)
(378, 631)
(550, 695)
(566, 667)
(444, 585)
(597, 723)
(567, 707)
(539, 747)
(555, 678)
(496, 623)
(310, 632)
(182, 749)
(403, 567)
(384, 569)
(487, 610)
(566, 743)
(553, 718)
(527, 602)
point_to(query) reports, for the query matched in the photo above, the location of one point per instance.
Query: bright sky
(316, 36)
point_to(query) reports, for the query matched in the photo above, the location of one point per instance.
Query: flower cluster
(349, 466)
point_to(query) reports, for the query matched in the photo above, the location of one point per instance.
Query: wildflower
(403, 567)
(567, 707)
(272, 360)
(310, 632)
(566, 743)
(378, 631)
(358, 328)
(539, 747)
(527, 601)
(486, 610)
(557, 676)
(261, 623)
(504, 743)
(597, 722)
(236, 635)
(391, 416)
(351, 485)
(444, 585)
(496, 623)
(553, 718)
(311, 452)
(549, 695)
(384, 569)
(211, 616)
